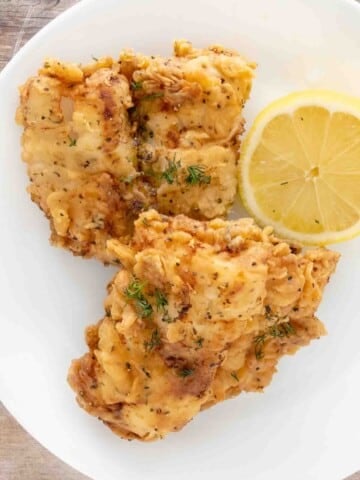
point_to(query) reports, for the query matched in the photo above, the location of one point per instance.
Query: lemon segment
(300, 167)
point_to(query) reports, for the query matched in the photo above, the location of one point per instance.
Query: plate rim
(5, 397)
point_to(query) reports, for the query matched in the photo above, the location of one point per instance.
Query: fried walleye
(106, 141)
(189, 113)
(201, 312)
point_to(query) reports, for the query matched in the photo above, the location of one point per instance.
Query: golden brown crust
(95, 159)
(77, 144)
(202, 312)
(189, 110)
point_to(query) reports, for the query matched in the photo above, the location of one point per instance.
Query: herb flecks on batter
(196, 175)
(134, 291)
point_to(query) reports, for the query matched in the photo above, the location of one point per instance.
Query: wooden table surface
(22, 457)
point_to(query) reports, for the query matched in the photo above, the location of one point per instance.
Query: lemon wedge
(300, 167)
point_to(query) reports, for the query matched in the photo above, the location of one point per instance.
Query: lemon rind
(333, 101)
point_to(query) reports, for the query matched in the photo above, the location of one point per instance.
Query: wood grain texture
(22, 457)
(21, 19)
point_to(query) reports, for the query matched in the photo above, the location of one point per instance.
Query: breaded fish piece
(99, 149)
(188, 111)
(81, 159)
(200, 312)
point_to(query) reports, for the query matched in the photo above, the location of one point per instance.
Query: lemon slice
(300, 167)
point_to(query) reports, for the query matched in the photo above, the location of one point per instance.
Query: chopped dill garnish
(136, 85)
(281, 330)
(72, 142)
(196, 175)
(94, 58)
(170, 174)
(185, 372)
(275, 331)
(259, 341)
(134, 291)
(234, 375)
(144, 307)
(154, 341)
(160, 299)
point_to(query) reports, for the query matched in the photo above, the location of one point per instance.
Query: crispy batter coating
(189, 114)
(200, 312)
(99, 148)
(78, 146)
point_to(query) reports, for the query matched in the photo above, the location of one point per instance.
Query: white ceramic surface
(307, 424)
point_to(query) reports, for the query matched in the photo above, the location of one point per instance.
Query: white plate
(307, 424)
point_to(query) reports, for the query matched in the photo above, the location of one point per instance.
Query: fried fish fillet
(200, 312)
(78, 146)
(188, 112)
(85, 145)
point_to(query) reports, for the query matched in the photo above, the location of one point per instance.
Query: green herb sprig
(170, 174)
(160, 300)
(134, 291)
(196, 175)
(259, 341)
(279, 330)
(154, 341)
(186, 372)
(136, 85)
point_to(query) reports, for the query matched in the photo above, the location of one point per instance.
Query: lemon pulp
(300, 167)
